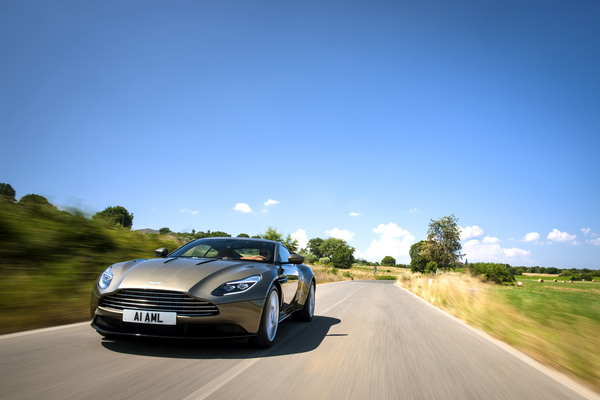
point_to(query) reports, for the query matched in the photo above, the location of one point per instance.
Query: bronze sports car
(208, 288)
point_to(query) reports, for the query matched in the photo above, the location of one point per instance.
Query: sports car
(208, 288)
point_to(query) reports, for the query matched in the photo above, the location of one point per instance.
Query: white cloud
(271, 202)
(586, 231)
(300, 236)
(185, 210)
(558, 236)
(354, 214)
(490, 240)
(340, 234)
(531, 237)
(491, 251)
(394, 241)
(470, 232)
(516, 253)
(243, 207)
(413, 210)
(595, 242)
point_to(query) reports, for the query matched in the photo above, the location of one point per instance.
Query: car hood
(191, 275)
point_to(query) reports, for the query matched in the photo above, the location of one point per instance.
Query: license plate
(150, 317)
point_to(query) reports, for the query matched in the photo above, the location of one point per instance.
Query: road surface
(368, 340)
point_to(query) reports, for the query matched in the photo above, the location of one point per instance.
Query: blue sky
(361, 120)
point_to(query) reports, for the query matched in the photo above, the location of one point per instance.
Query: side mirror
(162, 252)
(295, 259)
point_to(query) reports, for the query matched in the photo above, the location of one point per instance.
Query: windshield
(251, 250)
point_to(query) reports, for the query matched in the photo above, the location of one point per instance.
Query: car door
(288, 278)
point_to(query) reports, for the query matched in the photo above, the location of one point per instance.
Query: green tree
(272, 234)
(288, 241)
(328, 246)
(444, 234)
(314, 246)
(338, 251)
(431, 267)
(164, 231)
(244, 235)
(420, 255)
(214, 234)
(291, 244)
(7, 192)
(35, 200)
(388, 261)
(343, 257)
(117, 215)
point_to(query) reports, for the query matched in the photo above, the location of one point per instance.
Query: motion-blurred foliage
(50, 259)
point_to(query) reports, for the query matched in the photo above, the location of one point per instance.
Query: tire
(269, 321)
(308, 310)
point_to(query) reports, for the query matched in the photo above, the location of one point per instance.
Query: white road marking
(557, 376)
(43, 330)
(228, 376)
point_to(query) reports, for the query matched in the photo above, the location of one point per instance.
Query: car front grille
(158, 300)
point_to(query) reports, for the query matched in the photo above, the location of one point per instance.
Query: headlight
(236, 286)
(106, 278)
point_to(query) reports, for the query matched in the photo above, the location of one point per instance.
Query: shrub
(310, 258)
(324, 260)
(497, 273)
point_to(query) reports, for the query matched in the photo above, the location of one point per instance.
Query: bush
(324, 261)
(334, 271)
(310, 258)
(497, 273)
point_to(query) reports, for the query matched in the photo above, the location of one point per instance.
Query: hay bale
(519, 284)
(540, 280)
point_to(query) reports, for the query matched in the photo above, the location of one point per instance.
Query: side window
(283, 254)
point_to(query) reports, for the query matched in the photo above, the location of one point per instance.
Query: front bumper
(235, 320)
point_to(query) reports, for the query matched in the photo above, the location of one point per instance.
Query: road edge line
(42, 330)
(558, 376)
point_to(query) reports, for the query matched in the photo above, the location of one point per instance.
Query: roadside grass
(37, 301)
(49, 261)
(556, 323)
(326, 274)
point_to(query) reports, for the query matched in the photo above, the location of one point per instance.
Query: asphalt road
(369, 340)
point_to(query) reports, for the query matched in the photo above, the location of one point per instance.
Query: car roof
(239, 238)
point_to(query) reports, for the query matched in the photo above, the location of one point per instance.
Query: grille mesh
(158, 300)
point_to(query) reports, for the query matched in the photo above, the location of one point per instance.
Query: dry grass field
(326, 274)
(556, 323)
